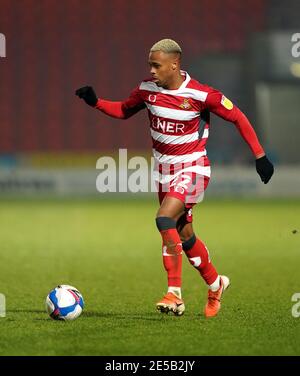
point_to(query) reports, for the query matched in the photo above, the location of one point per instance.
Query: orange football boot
(213, 304)
(171, 303)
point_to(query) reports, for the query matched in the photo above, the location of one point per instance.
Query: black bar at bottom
(137, 365)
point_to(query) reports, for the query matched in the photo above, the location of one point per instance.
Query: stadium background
(52, 216)
(242, 48)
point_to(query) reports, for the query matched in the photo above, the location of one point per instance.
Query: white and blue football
(64, 303)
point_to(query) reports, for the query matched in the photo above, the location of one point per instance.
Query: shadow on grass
(150, 316)
(32, 312)
(25, 311)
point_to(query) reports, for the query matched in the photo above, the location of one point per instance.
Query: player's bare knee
(181, 222)
(186, 232)
(164, 212)
(170, 207)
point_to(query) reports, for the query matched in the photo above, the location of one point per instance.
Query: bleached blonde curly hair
(166, 45)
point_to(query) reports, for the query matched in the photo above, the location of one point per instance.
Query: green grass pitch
(111, 251)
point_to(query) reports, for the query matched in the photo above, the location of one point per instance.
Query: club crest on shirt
(185, 105)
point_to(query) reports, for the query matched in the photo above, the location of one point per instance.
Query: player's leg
(170, 210)
(198, 256)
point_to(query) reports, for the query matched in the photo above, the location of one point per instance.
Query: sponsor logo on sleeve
(226, 103)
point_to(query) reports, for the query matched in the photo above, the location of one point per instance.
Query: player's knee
(165, 223)
(181, 223)
(165, 212)
(186, 232)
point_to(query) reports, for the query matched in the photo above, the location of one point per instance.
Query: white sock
(175, 290)
(216, 285)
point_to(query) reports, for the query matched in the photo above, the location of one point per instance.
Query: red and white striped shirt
(179, 119)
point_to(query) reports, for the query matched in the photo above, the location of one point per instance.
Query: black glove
(264, 169)
(87, 93)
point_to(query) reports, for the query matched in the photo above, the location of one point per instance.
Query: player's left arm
(217, 103)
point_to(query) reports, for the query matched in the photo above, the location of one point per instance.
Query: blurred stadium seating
(54, 47)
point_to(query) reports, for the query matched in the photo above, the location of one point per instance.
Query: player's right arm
(119, 110)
